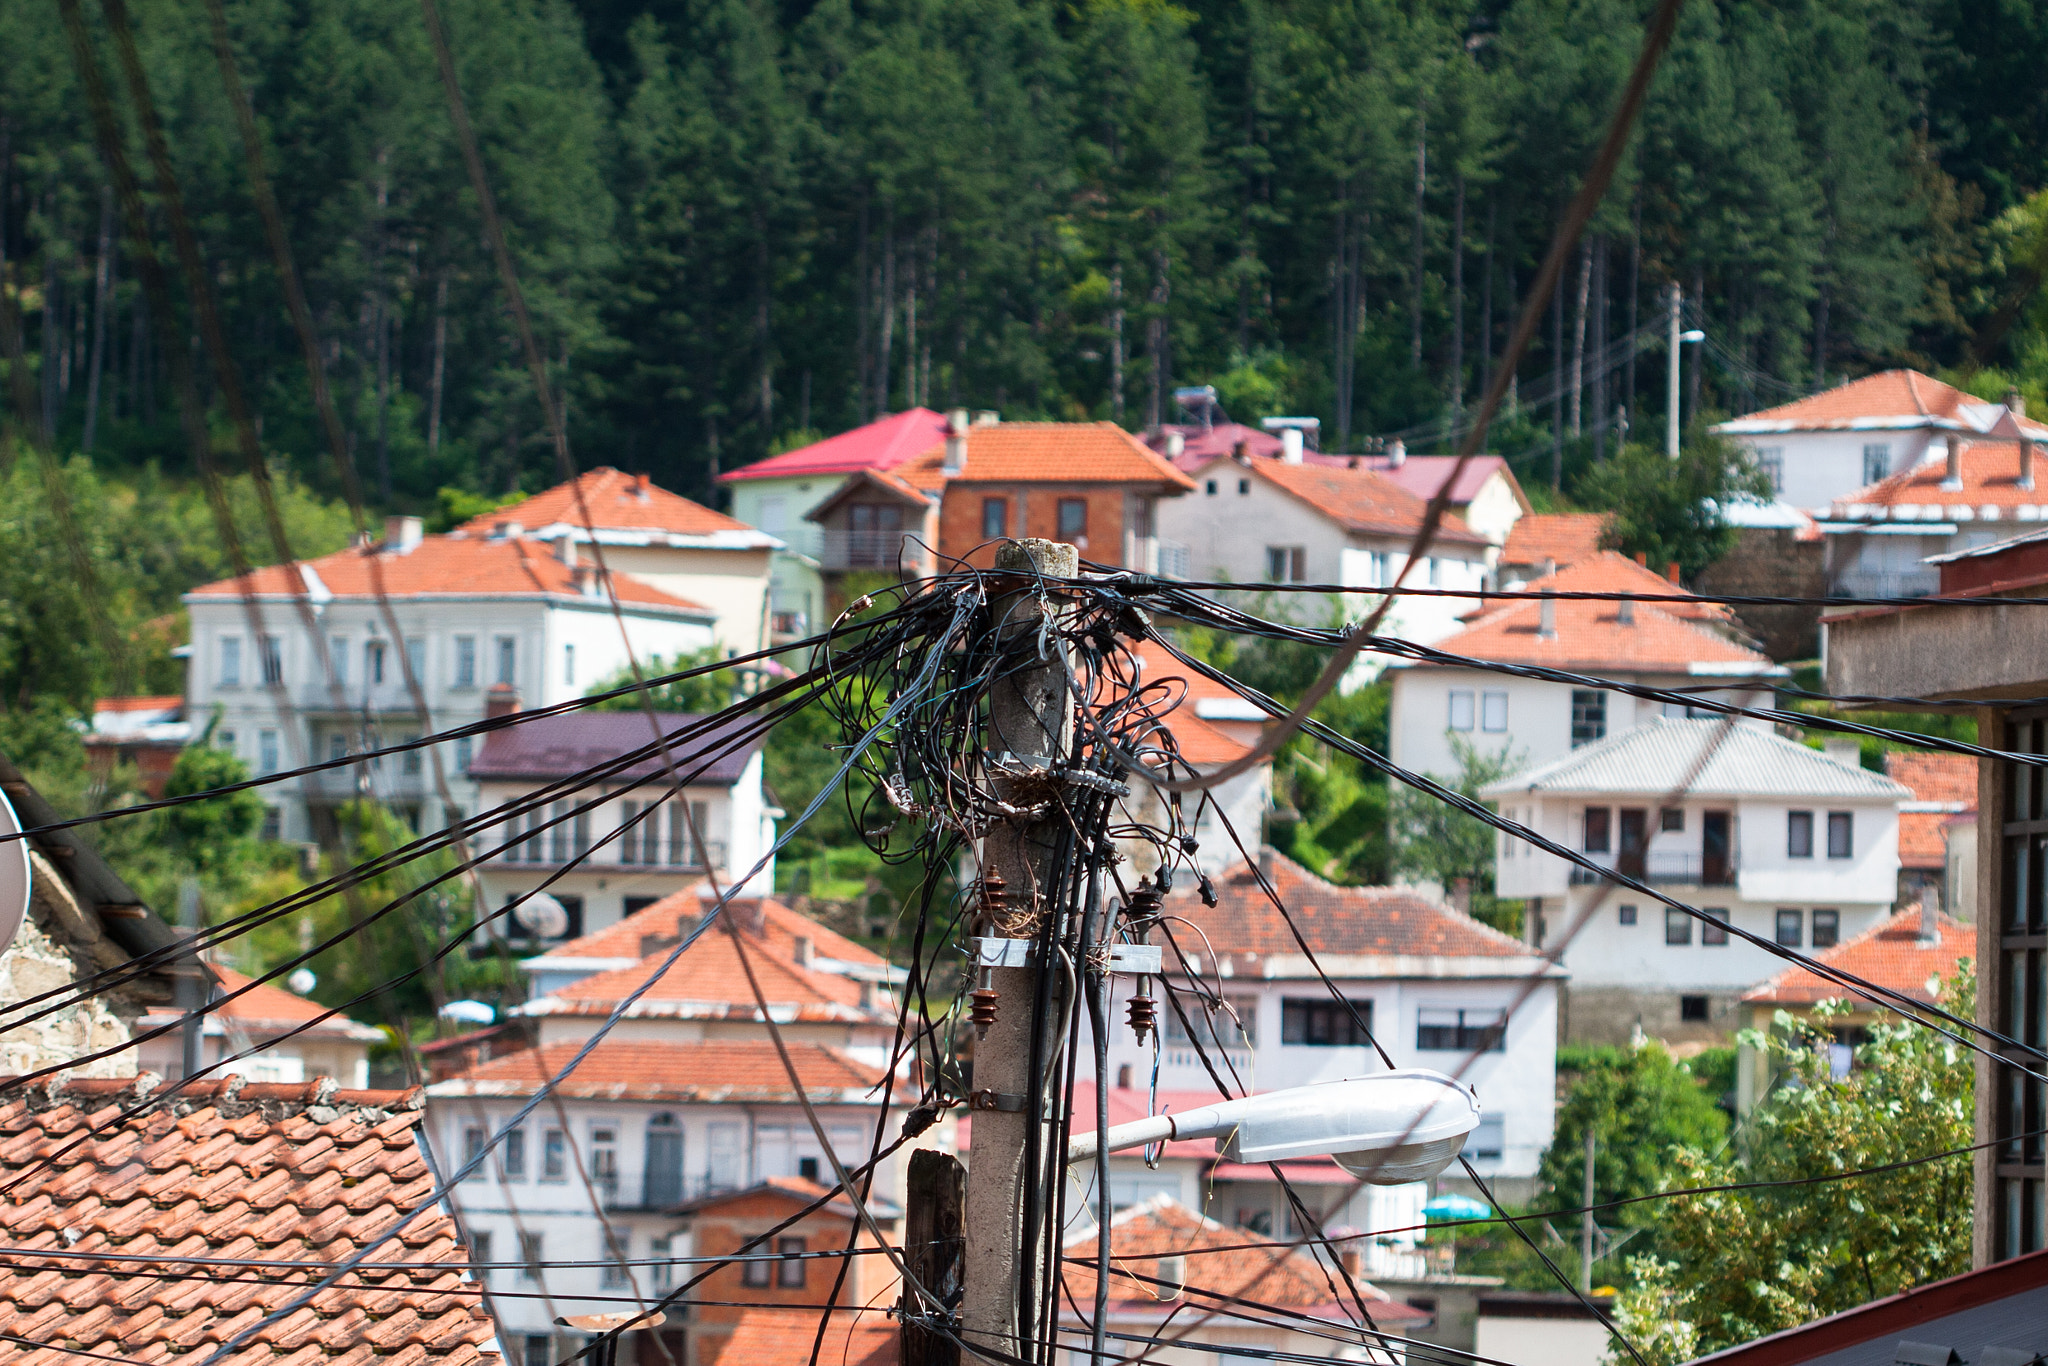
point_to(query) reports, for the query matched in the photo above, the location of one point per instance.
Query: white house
(660, 538)
(494, 615)
(1673, 645)
(1286, 521)
(1786, 842)
(1432, 985)
(626, 856)
(272, 1034)
(1821, 449)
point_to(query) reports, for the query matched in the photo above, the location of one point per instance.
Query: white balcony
(1908, 583)
(884, 550)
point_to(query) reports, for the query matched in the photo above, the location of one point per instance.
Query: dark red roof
(559, 746)
(1200, 445)
(882, 444)
(1423, 475)
(299, 1173)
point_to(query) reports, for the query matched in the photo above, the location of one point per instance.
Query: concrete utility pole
(1030, 730)
(1586, 1230)
(1671, 373)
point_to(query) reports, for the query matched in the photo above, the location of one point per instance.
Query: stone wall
(60, 944)
(1772, 562)
(1610, 1015)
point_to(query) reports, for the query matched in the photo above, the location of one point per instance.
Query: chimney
(2026, 463)
(1546, 622)
(401, 535)
(565, 551)
(1242, 452)
(1625, 612)
(1930, 917)
(1397, 454)
(801, 951)
(1176, 442)
(1353, 1268)
(640, 486)
(1643, 558)
(1354, 463)
(987, 417)
(1290, 446)
(1548, 568)
(956, 443)
(1123, 1076)
(501, 700)
(2014, 404)
(1952, 480)
(587, 582)
(1671, 570)
(1461, 895)
(1266, 862)
(506, 531)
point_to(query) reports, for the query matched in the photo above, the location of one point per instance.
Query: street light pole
(1671, 373)
(1030, 729)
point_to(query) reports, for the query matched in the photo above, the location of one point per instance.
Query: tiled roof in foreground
(299, 1173)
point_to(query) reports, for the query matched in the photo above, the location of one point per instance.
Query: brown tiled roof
(1049, 453)
(1590, 636)
(1990, 479)
(1888, 955)
(1384, 921)
(1362, 500)
(298, 1173)
(770, 1337)
(705, 1071)
(444, 566)
(1949, 780)
(617, 502)
(1563, 537)
(1217, 1262)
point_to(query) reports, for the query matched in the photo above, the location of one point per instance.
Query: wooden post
(934, 1244)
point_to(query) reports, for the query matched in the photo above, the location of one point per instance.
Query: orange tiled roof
(1900, 398)
(769, 1337)
(138, 704)
(1049, 453)
(454, 566)
(1991, 480)
(1381, 921)
(617, 502)
(1218, 1264)
(1203, 742)
(1562, 537)
(1945, 782)
(1363, 500)
(705, 1071)
(1889, 955)
(1590, 636)
(265, 1008)
(297, 1173)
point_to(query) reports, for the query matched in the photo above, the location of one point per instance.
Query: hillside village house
(482, 616)
(778, 495)
(626, 856)
(1937, 815)
(1433, 986)
(660, 538)
(1278, 522)
(1783, 841)
(1088, 483)
(271, 1035)
(1545, 542)
(1673, 645)
(1211, 726)
(1997, 658)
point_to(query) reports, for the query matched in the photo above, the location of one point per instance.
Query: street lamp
(1388, 1129)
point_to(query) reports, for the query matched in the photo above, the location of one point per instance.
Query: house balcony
(1664, 870)
(890, 551)
(1907, 583)
(606, 860)
(1175, 561)
(390, 781)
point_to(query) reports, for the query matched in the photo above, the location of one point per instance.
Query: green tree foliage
(212, 835)
(1738, 1264)
(698, 696)
(1436, 841)
(1670, 511)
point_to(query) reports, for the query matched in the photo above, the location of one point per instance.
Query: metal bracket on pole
(996, 1100)
(1138, 960)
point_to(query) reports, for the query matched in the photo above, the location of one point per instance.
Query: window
(337, 657)
(726, 1165)
(514, 1151)
(1244, 486)
(1714, 929)
(1770, 462)
(231, 661)
(416, 658)
(1325, 1023)
(465, 661)
(1841, 834)
(1827, 929)
(1589, 716)
(225, 739)
(480, 1255)
(266, 752)
(756, 1272)
(273, 659)
(1429, 567)
(1210, 488)
(1628, 915)
(1791, 928)
(1671, 819)
(1493, 711)
(1461, 709)
(1286, 564)
(1598, 830)
(373, 661)
(1487, 1141)
(530, 1256)
(995, 518)
(554, 1155)
(569, 665)
(538, 1349)
(1677, 927)
(1877, 463)
(662, 1271)
(604, 1160)
(473, 1137)
(465, 750)
(1692, 1008)
(1215, 1025)
(1073, 518)
(1799, 834)
(337, 747)
(629, 832)
(807, 1168)
(409, 762)
(617, 1247)
(508, 660)
(664, 1168)
(1442, 1028)
(273, 824)
(789, 1272)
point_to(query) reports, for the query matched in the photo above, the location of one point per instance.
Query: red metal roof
(453, 566)
(1562, 537)
(616, 502)
(706, 1071)
(1200, 445)
(882, 444)
(1423, 475)
(1888, 955)
(295, 1174)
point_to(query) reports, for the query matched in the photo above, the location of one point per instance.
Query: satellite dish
(302, 981)
(469, 1012)
(14, 876)
(541, 916)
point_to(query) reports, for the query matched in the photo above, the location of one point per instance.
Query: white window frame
(1493, 712)
(1463, 711)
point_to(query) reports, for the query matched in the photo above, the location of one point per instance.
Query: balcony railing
(1909, 583)
(608, 858)
(1661, 869)
(1174, 561)
(388, 780)
(865, 550)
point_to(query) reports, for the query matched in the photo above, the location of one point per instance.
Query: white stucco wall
(1820, 467)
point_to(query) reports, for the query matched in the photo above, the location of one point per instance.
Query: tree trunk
(52, 342)
(1557, 365)
(102, 285)
(383, 337)
(803, 403)
(1340, 317)
(1579, 338)
(764, 340)
(1458, 302)
(1820, 339)
(1601, 360)
(1692, 372)
(1158, 337)
(1486, 305)
(863, 300)
(1635, 280)
(1116, 342)
(887, 314)
(440, 372)
(1415, 268)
